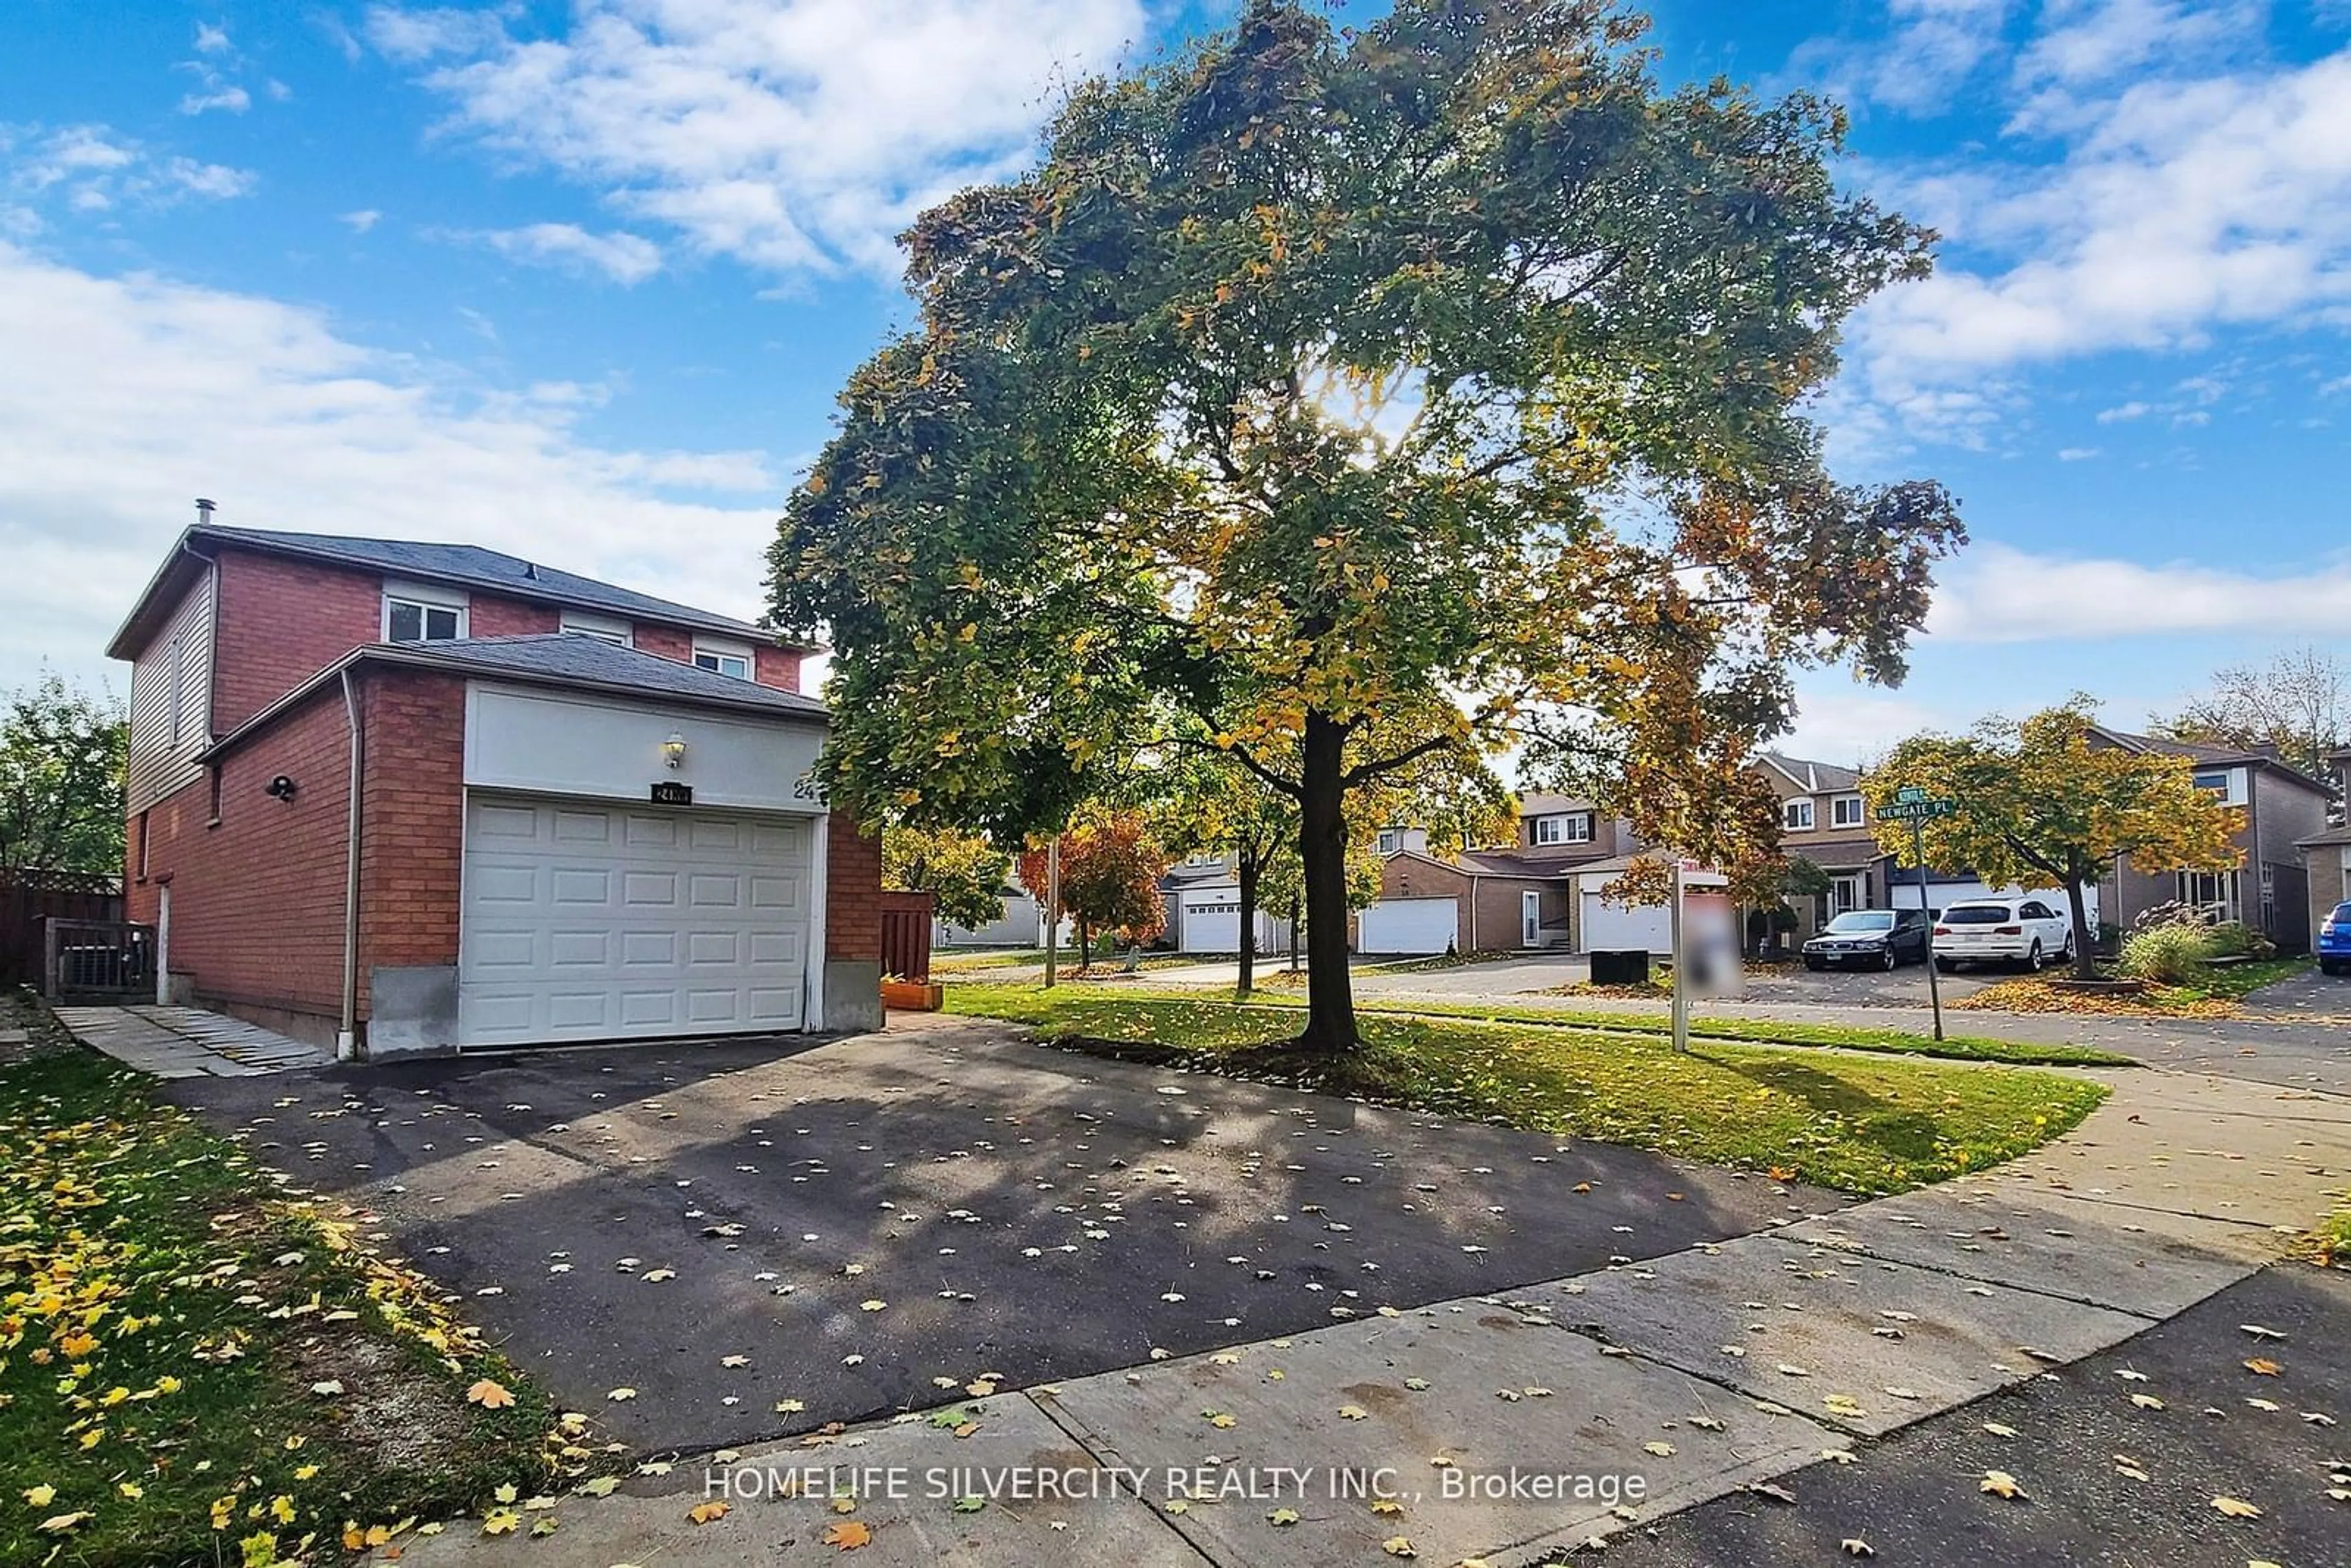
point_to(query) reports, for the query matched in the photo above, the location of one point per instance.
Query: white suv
(2002, 930)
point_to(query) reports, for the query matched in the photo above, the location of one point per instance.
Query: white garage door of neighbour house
(1409, 925)
(586, 921)
(1648, 928)
(1212, 921)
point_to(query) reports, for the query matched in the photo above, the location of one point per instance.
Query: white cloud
(1852, 726)
(211, 39)
(128, 396)
(234, 100)
(361, 220)
(1933, 48)
(1999, 594)
(91, 169)
(791, 134)
(625, 258)
(2183, 207)
(2089, 43)
(2134, 409)
(2076, 453)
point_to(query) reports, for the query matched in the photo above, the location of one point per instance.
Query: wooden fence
(906, 936)
(29, 899)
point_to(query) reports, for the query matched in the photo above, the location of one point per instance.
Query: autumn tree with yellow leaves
(2045, 802)
(1338, 398)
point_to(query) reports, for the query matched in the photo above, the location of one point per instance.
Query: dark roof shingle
(568, 656)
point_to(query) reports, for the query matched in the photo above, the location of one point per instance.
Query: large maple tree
(1447, 373)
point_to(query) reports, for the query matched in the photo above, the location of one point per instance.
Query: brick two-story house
(2327, 853)
(410, 796)
(1520, 896)
(2283, 809)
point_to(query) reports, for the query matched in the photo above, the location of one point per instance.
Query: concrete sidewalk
(188, 1042)
(1508, 1427)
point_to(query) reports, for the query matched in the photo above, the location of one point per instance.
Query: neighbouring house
(1203, 895)
(1021, 924)
(2284, 810)
(407, 797)
(1521, 897)
(2327, 853)
(1824, 819)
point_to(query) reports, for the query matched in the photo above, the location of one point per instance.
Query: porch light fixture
(673, 749)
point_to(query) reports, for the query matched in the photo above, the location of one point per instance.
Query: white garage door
(1212, 921)
(1409, 925)
(1648, 928)
(587, 922)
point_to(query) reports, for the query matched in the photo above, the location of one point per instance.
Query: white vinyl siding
(171, 702)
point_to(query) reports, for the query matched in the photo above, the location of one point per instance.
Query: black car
(1872, 939)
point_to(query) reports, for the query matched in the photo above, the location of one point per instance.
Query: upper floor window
(423, 613)
(1391, 840)
(1574, 828)
(1797, 815)
(603, 628)
(2216, 779)
(1846, 812)
(730, 659)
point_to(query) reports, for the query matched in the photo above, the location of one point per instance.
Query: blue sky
(580, 280)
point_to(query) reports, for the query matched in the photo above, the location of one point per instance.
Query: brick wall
(414, 804)
(852, 894)
(778, 667)
(257, 900)
(489, 617)
(282, 622)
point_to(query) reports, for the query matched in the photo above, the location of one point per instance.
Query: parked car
(2334, 945)
(2002, 930)
(1872, 939)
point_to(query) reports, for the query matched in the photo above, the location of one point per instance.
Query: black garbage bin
(1620, 966)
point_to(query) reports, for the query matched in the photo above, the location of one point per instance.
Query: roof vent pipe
(530, 570)
(203, 511)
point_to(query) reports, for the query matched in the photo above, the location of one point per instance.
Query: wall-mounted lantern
(281, 788)
(673, 749)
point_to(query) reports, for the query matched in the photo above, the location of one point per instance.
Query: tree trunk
(1247, 859)
(2085, 969)
(1322, 849)
(1085, 948)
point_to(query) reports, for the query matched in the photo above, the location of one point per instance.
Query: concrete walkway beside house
(1514, 1425)
(188, 1042)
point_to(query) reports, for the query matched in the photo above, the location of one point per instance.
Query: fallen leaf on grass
(489, 1395)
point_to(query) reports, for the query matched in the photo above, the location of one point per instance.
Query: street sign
(1919, 810)
(1909, 794)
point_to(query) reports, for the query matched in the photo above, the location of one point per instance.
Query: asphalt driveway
(877, 1223)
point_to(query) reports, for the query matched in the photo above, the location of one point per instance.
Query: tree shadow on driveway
(882, 1221)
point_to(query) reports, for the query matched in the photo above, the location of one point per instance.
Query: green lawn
(1753, 1031)
(193, 1369)
(1851, 1122)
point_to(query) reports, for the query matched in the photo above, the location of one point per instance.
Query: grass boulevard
(1855, 1120)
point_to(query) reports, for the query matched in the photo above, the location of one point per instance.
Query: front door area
(583, 920)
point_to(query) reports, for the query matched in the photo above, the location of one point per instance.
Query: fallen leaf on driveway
(1659, 1451)
(1354, 1412)
(1282, 1518)
(1997, 1430)
(848, 1534)
(2263, 1366)
(1999, 1483)
(1854, 1546)
(617, 1394)
(2258, 1331)
(734, 1360)
(1398, 1546)
(2236, 1507)
(707, 1512)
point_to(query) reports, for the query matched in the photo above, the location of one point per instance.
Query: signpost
(1913, 805)
(1686, 878)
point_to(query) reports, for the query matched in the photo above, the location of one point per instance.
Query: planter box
(911, 996)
